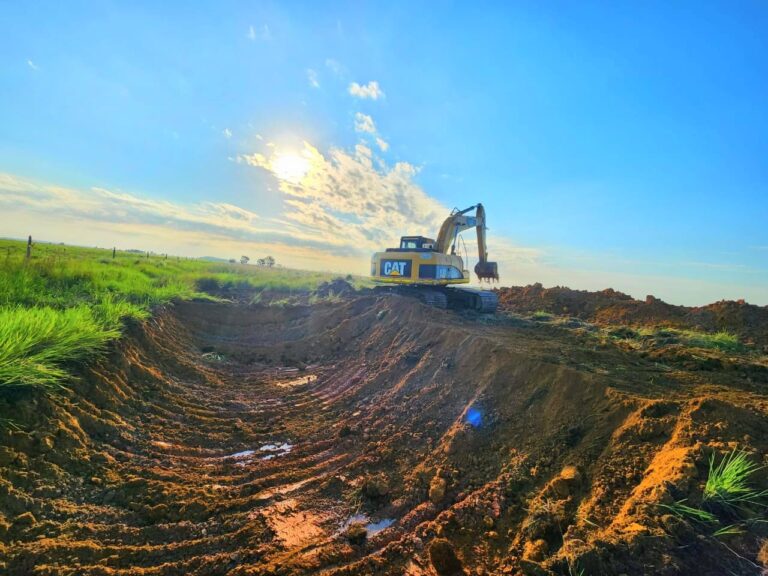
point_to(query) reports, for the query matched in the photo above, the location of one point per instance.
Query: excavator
(431, 270)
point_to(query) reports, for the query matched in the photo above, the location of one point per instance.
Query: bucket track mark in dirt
(229, 439)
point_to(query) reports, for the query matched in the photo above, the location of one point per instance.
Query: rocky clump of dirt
(609, 307)
(337, 287)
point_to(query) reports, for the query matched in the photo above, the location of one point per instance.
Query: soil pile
(372, 435)
(337, 287)
(610, 307)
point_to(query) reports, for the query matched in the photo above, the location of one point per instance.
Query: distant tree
(244, 259)
(232, 261)
(269, 261)
(260, 262)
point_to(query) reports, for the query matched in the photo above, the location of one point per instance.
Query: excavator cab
(408, 243)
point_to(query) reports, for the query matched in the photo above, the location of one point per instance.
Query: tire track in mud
(221, 439)
(196, 451)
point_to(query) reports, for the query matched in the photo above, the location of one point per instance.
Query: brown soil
(231, 439)
(609, 307)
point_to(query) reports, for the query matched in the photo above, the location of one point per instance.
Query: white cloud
(32, 65)
(312, 78)
(353, 198)
(364, 123)
(100, 204)
(263, 34)
(370, 90)
(343, 206)
(334, 66)
(227, 133)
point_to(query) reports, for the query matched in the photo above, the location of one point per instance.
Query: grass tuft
(728, 481)
(683, 510)
(730, 530)
(35, 343)
(724, 341)
(542, 315)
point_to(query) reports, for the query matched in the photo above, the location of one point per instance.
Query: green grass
(541, 315)
(723, 341)
(66, 303)
(680, 508)
(37, 341)
(728, 481)
(727, 495)
(730, 530)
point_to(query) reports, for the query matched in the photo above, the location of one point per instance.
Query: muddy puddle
(371, 527)
(264, 452)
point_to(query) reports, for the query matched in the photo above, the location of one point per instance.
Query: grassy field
(66, 303)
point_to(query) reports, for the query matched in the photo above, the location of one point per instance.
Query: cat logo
(396, 268)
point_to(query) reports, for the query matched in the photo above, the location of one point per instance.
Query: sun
(290, 167)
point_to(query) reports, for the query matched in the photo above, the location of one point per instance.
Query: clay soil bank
(375, 436)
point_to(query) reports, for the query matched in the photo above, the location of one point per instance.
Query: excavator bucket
(487, 270)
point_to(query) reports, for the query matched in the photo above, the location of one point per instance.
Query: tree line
(267, 262)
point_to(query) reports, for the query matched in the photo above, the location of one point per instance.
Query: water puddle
(371, 527)
(376, 527)
(275, 450)
(265, 452)
(240, 455)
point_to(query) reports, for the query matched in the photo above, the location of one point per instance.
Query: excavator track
(482, 301)
(487, 302)
(434, 298)
(429, 296)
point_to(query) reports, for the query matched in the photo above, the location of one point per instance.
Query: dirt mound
(370, 436)
(610, 307)
(337, 287)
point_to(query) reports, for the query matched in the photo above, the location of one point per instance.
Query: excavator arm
(461, 220)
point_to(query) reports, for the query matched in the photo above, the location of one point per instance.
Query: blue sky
(617, 144)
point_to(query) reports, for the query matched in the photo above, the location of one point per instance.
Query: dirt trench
(371, 436)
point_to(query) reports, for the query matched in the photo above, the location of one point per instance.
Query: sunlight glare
(290, 167)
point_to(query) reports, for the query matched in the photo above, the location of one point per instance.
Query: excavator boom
(457, 222)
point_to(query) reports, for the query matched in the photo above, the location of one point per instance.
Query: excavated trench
(371, 436)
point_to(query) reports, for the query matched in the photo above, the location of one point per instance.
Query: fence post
(29, 247)
(147, 254)
(114, 250)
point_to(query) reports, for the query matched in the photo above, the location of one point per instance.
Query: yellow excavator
(430, 270)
